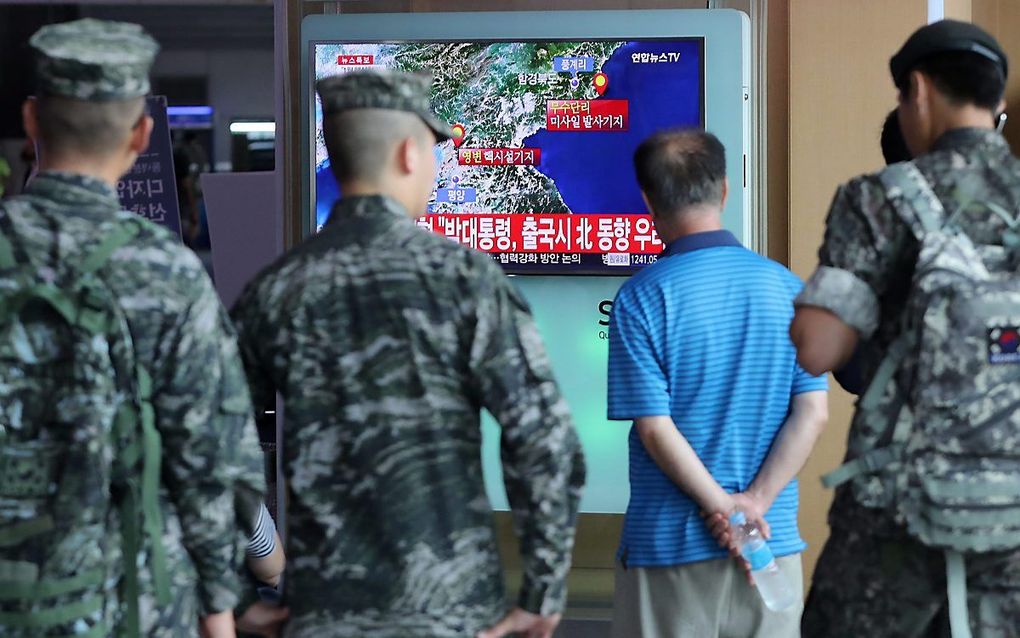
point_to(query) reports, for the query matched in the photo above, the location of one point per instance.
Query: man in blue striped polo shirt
(724, 418)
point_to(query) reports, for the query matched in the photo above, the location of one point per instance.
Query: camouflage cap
(93, 60)
(382, 90)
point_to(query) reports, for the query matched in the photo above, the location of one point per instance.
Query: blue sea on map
(327, 191)
(594, 171)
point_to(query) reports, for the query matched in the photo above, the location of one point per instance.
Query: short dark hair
(89, 128)
(963, 77)
(680, 168)
(359, 141)
(894, 146)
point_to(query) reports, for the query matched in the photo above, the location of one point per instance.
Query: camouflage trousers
(865, 585)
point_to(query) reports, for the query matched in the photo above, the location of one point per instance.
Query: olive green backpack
(79, 452)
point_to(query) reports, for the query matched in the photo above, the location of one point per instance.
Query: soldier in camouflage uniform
(89, 124)
(385, 341)
(873, 578)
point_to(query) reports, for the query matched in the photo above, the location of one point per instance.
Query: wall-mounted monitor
(540, 174)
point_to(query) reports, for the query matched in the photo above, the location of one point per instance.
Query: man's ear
(140, 135)
(648, 205)
(30, 119)
(920, 90)
(407, 155)
(725, 192)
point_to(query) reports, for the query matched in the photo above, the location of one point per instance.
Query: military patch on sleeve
(1004, 345)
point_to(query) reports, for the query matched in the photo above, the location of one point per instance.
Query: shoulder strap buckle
(867, 463)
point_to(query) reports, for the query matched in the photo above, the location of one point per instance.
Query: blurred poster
(150, 189)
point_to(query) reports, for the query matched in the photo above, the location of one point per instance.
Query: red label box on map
(499, 156)
(356, 60)
(577, 233)
(587, 115)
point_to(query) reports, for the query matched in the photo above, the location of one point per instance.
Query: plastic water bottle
(774, 588)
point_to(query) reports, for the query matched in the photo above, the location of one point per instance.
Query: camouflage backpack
(944, 454)
(79, 452)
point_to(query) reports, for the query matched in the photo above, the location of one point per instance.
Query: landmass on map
(479, 85)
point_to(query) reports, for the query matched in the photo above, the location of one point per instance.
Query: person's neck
(702, 219)
(104, 171)
(969, 116)
(366, 189)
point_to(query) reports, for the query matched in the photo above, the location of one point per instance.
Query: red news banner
(574, 233)
(587, 115)
(499, 156)
(356, 60)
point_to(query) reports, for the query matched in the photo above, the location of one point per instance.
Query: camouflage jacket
(212, 478)
(867, 260)
(385, 341)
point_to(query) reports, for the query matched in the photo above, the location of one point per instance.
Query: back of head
(78, 127)
(361, 142)
(91, 77)
(365, 115)
(681, 169)
(965, 63)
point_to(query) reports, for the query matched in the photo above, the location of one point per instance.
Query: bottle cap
(738, 518)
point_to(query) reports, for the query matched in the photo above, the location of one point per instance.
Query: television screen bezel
(723, 98)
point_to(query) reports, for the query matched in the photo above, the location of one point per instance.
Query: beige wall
(840, 92)
(777, 207)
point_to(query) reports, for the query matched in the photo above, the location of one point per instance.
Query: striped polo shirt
(702, 336)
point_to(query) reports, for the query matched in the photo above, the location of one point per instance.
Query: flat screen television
(540, 171)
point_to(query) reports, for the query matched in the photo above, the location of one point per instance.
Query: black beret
(944, 36)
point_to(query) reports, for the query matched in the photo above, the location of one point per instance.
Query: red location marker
(601, 82)
(458, 135)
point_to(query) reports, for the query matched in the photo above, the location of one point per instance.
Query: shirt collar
(698, 241)
(963, 139)
(366, 206)
(74, 189)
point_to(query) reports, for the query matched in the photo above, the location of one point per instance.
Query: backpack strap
(7, 260)
(8, 256)
(15, 534)
(54, 616)
(115, 239)
(19, 584)
(912, 196)
(141, 496)
(900, 418)
(151, 470)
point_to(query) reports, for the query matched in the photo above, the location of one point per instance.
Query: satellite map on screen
(540, 172)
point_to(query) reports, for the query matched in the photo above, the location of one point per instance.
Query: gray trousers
(710, 599)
